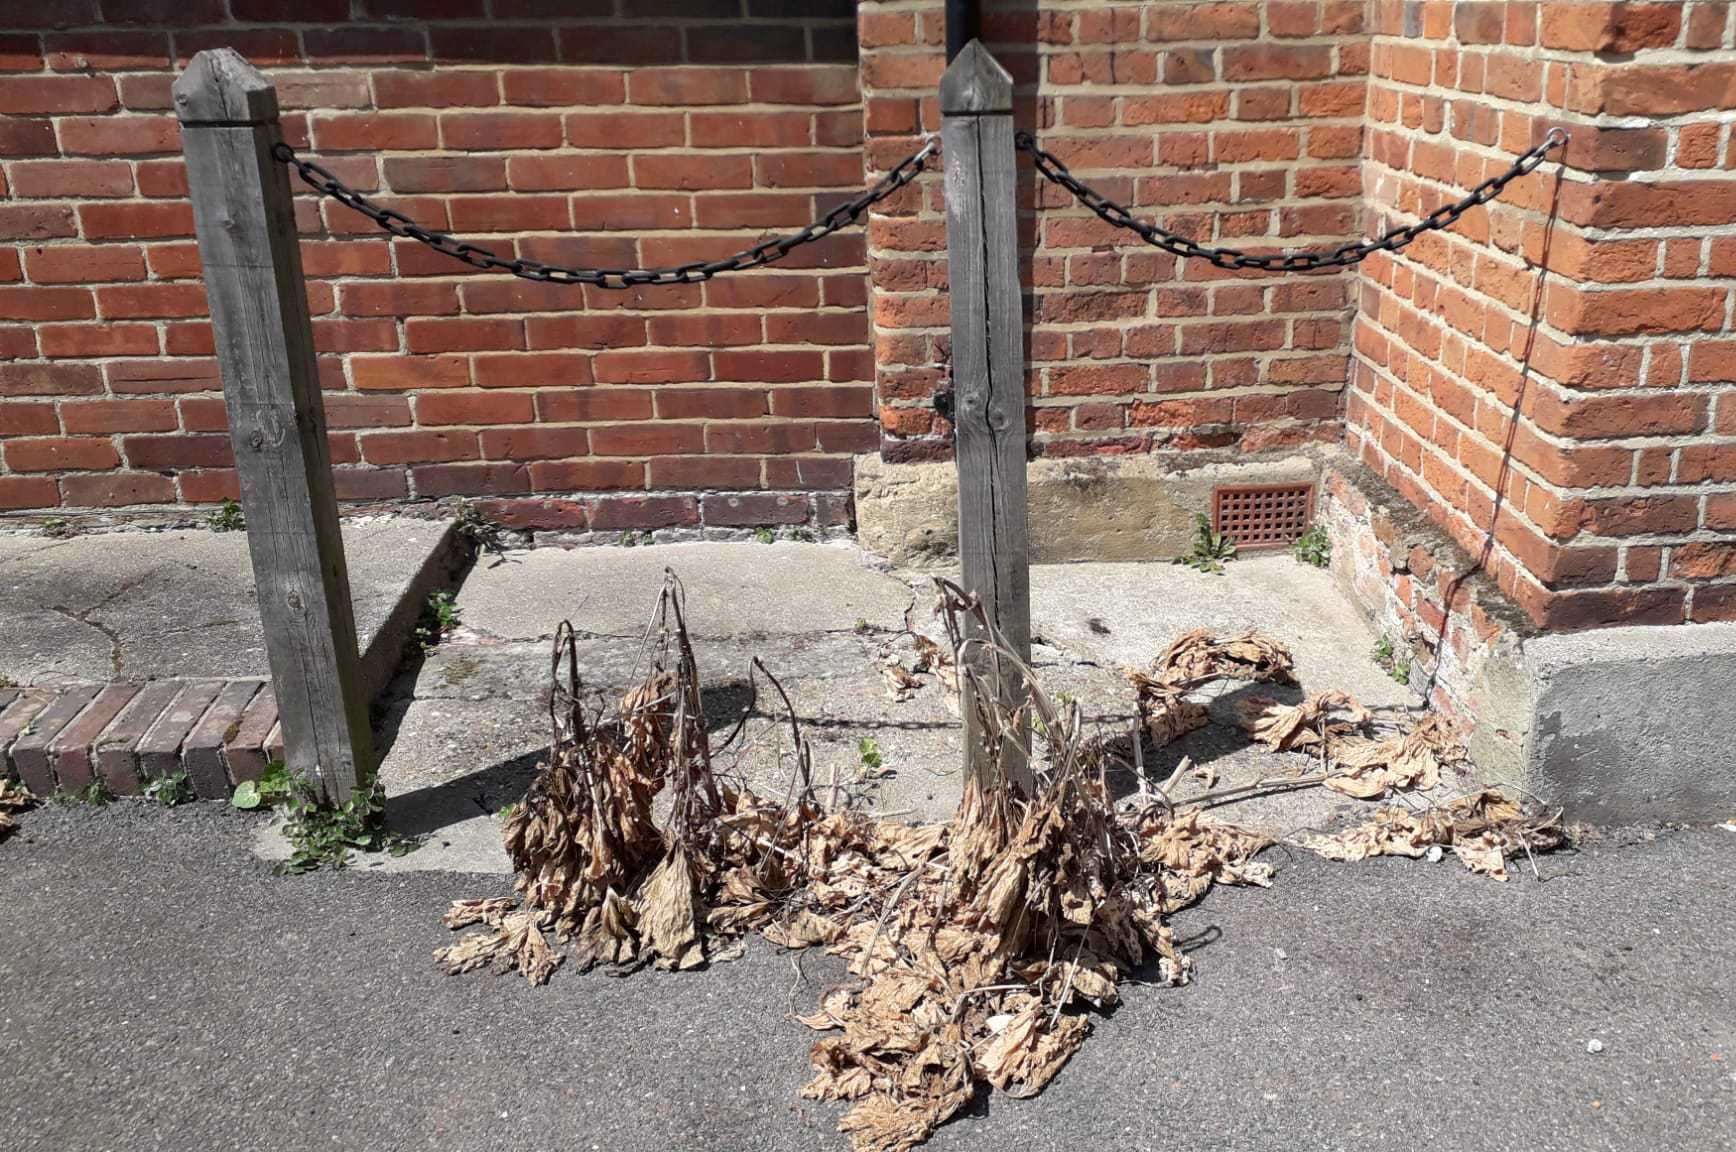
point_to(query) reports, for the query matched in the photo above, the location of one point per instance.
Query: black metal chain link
(1293, 260)
(765, 252)
(1048, 165)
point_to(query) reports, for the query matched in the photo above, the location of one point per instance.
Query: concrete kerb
(438, 567)
(1616, 726)
(466, 728)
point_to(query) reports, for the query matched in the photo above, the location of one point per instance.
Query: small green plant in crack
(440, 615)
(873, 765)
(1211, 550)
(7, 681)
(171, 791)
(227, 518)
(1314, 547)
(274, 786)
(1392, 659)
(630, 539)
(803, 535)
(507, 811)
(323, 835)
(95, 794)
(765, 535)
(58, 528)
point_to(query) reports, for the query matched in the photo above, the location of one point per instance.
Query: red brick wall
(1593, 459)
(682, 131)
(1237, 123)
(1608, 470)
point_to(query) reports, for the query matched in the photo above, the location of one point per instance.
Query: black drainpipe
(963, 24)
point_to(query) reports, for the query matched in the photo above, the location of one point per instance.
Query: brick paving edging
(220, 732)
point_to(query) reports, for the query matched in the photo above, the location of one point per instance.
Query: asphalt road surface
(160, 988)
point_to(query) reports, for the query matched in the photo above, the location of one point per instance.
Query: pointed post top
(221, 87)
(975, 83)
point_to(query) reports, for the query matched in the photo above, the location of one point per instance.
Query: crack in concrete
(117, 655)
(117, 650)
(199, 627)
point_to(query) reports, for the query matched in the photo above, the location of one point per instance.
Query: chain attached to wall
(1445, 216)
(765, 252)
(850, 212)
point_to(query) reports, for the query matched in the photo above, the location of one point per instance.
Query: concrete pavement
(159, 988)
(137, 605)
(461, 733)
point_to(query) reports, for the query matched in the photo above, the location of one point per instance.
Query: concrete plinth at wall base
(1614, 726)
(1633, 725)
(1086, 508)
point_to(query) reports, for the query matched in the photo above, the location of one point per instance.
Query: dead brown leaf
(516, 944)
(1027, 1053)
(802, 930)
(1482, 829)
(1320, 718)
(901, 684)
(1170, 717)
(14, 797)
(466, 912)
(1198, 657)
(668, 913)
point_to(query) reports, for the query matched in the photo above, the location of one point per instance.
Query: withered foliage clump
(1358, 762)
(1195, 659)
(1198, 657)
(976, 949)
(14, 797)
(1482, 828)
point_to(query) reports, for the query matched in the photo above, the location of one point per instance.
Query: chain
(765, 252)
(1293, 260)
(776, 248)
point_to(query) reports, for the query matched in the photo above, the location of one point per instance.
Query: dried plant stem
(959, 1003)
(1181, 768)
(880, 924)
(1269, 784)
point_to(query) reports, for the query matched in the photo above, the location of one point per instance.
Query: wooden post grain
(988, 369)
(245, 218)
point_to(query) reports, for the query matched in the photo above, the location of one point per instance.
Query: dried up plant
(1194, 660)
(1482, 828)
(976, 949)
(1198, 657)
(983, 963)
(14, 797)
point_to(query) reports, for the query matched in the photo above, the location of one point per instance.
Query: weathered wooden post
(245, 219)
(988, 369)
